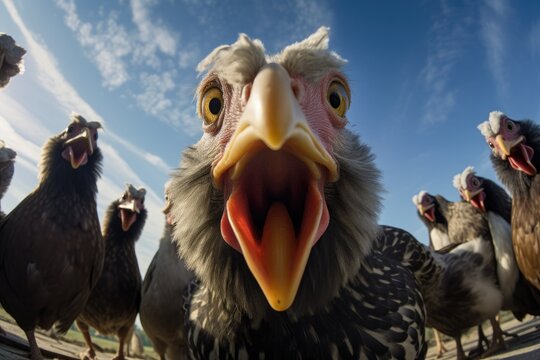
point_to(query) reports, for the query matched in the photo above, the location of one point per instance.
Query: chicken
(51, 248)
(166, 280)
(11, 62)
(515, 147)
(275, 210)
(469, 284)
(114, 302)
(490, 198)
(7, 169)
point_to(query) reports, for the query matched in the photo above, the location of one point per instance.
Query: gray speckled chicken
(7, 169)
(276, 209)
(161, 312)
(114, 302)
(11, 62)
(51, 248)
(469, 291)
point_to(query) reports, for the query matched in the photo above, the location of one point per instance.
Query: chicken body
(51, 248)
(162, 304)
(515, 156)
(519, 295)
(466, 291)
(114, 302)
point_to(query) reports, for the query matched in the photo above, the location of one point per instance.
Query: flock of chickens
(271, 247)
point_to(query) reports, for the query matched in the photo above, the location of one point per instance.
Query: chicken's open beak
(128, 213)
(427, 211)
(519, 158)
(273, 173)
(79, 148)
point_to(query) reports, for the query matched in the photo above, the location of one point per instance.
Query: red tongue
(430, 214)
(128, 218)
(478, 201)
(276, 255)
(522, 160)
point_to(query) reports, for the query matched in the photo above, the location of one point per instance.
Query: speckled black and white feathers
(114, 301)
(51, 248)
(162, 303)
(377, 314)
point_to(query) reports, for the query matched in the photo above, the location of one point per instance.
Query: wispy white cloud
(137, 54)
(152, 34)
(449, 32)
(108, 44)
(493, 21)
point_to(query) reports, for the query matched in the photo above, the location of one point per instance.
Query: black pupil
(214, 106)
(335, 100)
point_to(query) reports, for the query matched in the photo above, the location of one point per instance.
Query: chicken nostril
(296, 89)
(246, 93)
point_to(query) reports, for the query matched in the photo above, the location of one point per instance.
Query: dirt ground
(526, 346)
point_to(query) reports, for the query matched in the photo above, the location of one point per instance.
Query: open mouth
(127, 218)
(78, 149)
(478, 200)
(430, 214)
(275, 212)
(520, 159)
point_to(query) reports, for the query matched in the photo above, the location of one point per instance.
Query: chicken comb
(417, 199)
(460, 179)
(134, 192)
(81, 120)
(6, 153)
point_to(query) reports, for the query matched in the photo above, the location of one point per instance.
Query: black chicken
(7, 169)
(519, 296)
(114, 302)
(515, 156)
(161, 312)
(51, 248)
(10, 59)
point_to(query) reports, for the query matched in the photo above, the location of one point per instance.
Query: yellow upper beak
(272, 119)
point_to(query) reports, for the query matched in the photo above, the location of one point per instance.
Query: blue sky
(423, 75)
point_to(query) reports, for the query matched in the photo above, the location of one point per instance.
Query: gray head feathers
(460, 180)
(11, 62)
(240, 62)
(82, 121)
(134, 192)
(6, 153)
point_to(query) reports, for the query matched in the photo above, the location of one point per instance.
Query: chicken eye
(70, 129)
(338, 98)
(510, 125)
(491, 145)
(212, 105)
